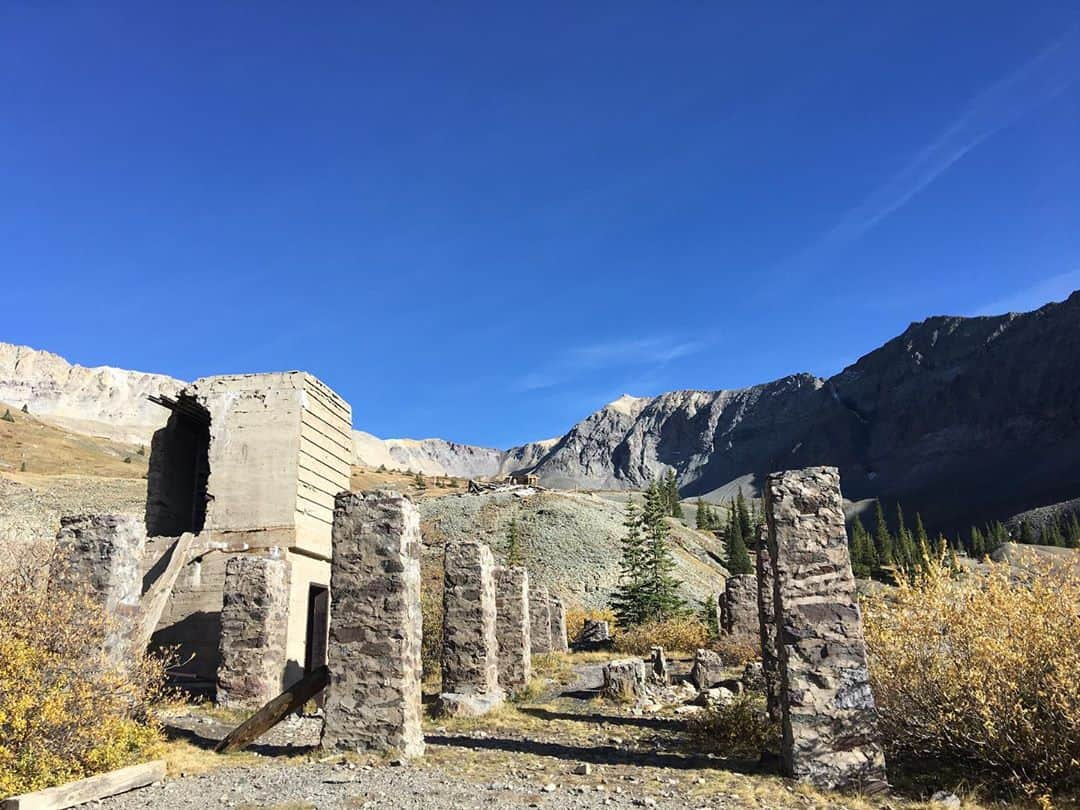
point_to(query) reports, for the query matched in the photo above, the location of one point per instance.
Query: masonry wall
(512, 625)
(540, 618)
(470, 662)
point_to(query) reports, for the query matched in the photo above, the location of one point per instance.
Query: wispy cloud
(635, 353)
(1000, 104)
(1033, 296)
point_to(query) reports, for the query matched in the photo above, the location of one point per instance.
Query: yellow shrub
(64, 712)
(736, 650)
(681, 634)
(431, 611)
(982, 670)
(577, 616)
(740, 729)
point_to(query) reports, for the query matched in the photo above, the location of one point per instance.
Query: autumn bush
(982, 670)
(679, 634)
(431, 612)
(577, 616)
(736, 650)
(740, 728)
(65, 712)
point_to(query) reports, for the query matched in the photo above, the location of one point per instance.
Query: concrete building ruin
(246, 463)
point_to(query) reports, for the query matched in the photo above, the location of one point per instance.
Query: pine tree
(745, 526)
(863, 559)
(976, 544)
(419, 482)
(1027, 536)
(701, 514)
(7, 417)
(1072, 539)
(630, 602)
(671, 488)
(738, 558)
(883, 539)
(515, 553)
(661, 586)
(906, 553)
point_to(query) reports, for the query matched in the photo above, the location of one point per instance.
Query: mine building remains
(249, 465)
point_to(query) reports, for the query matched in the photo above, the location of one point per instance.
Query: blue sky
(483, 221)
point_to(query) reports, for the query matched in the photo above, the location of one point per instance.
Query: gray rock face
(254, 623)
(738, 606)
(828, 712)
(708, 669)
(513, 627)
(373, 700)
(101, 555)
(624, 680)
(558, 625)
(540, 618)
(470, 662)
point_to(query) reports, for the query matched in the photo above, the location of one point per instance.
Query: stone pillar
(595, 635)
(624, 680)
(738, 606)
(101, 555)
(470, 660)
(770, 666)
(558, 625)
(512, 627)
(658, 666)
(254, 625)
(373, 700)
(828, 712)
(540, 618)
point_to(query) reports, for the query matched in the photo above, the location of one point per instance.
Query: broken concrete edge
(89, 789)
(454, 704)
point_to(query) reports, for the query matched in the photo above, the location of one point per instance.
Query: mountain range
(962, 419)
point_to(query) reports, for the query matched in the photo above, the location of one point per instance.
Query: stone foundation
(101, 555)
(512, 627)
(558, 625)
(373, 700)
(828, 712)
(540, 618)
(470, 660)
(254, 626)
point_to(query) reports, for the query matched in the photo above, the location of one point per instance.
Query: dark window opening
(318, 627)
(179, 469)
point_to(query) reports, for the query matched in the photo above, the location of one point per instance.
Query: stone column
(512, 627)
(373, 700)
(254, 625)
(828, 712)
(540, 618)
(770, 666)
(738, 606)
(470, 660)
(101, 556)
(558, 625)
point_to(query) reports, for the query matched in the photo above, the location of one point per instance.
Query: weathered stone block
(512, 627)
(738, 606)
(624, 680)
(658, 666)
(540, 618)
(708, 669)
(830, 735)
(100, 555)
(470, 660)
(595, 635)
(558, 625)
(770, 664)
(373, 700)
(254, 626)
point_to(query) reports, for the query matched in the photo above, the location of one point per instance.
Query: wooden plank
(90, 789)
(273, 712)
(152, 603)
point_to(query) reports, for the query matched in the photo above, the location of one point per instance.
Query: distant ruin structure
(373, 701)
(470, 652)
(254, 629)
(830, 735)
(513, 627)
(246, 463)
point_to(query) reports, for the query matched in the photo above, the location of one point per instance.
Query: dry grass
(436, 486)
(680, 635)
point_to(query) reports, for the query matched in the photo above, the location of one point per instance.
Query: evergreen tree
(976, 544)
(863, 559)
(883, 539)
(7, 417)
(25, 408)
(996, 534)
(661, 586)
(745, 525)
(906, 553)
(515, 553)
(419, 482)
(701, 516)
(1051, 535)
(738, 558)
(1027, 536)
(630, 602)
(671, 489)
(1072, 538)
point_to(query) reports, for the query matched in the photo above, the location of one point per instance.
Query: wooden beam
(152, 604)
(90, 789)
(273, 712)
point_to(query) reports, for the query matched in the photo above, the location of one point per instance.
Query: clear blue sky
(483, 221)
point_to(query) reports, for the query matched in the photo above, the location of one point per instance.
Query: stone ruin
(558, 625)
(254, 627)
(470, 659)
(512, 627)
(101, 555)
(373, 701)
(540, 618)
(595, 635)
(829, 719)
(738, 612)
(624, 680)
